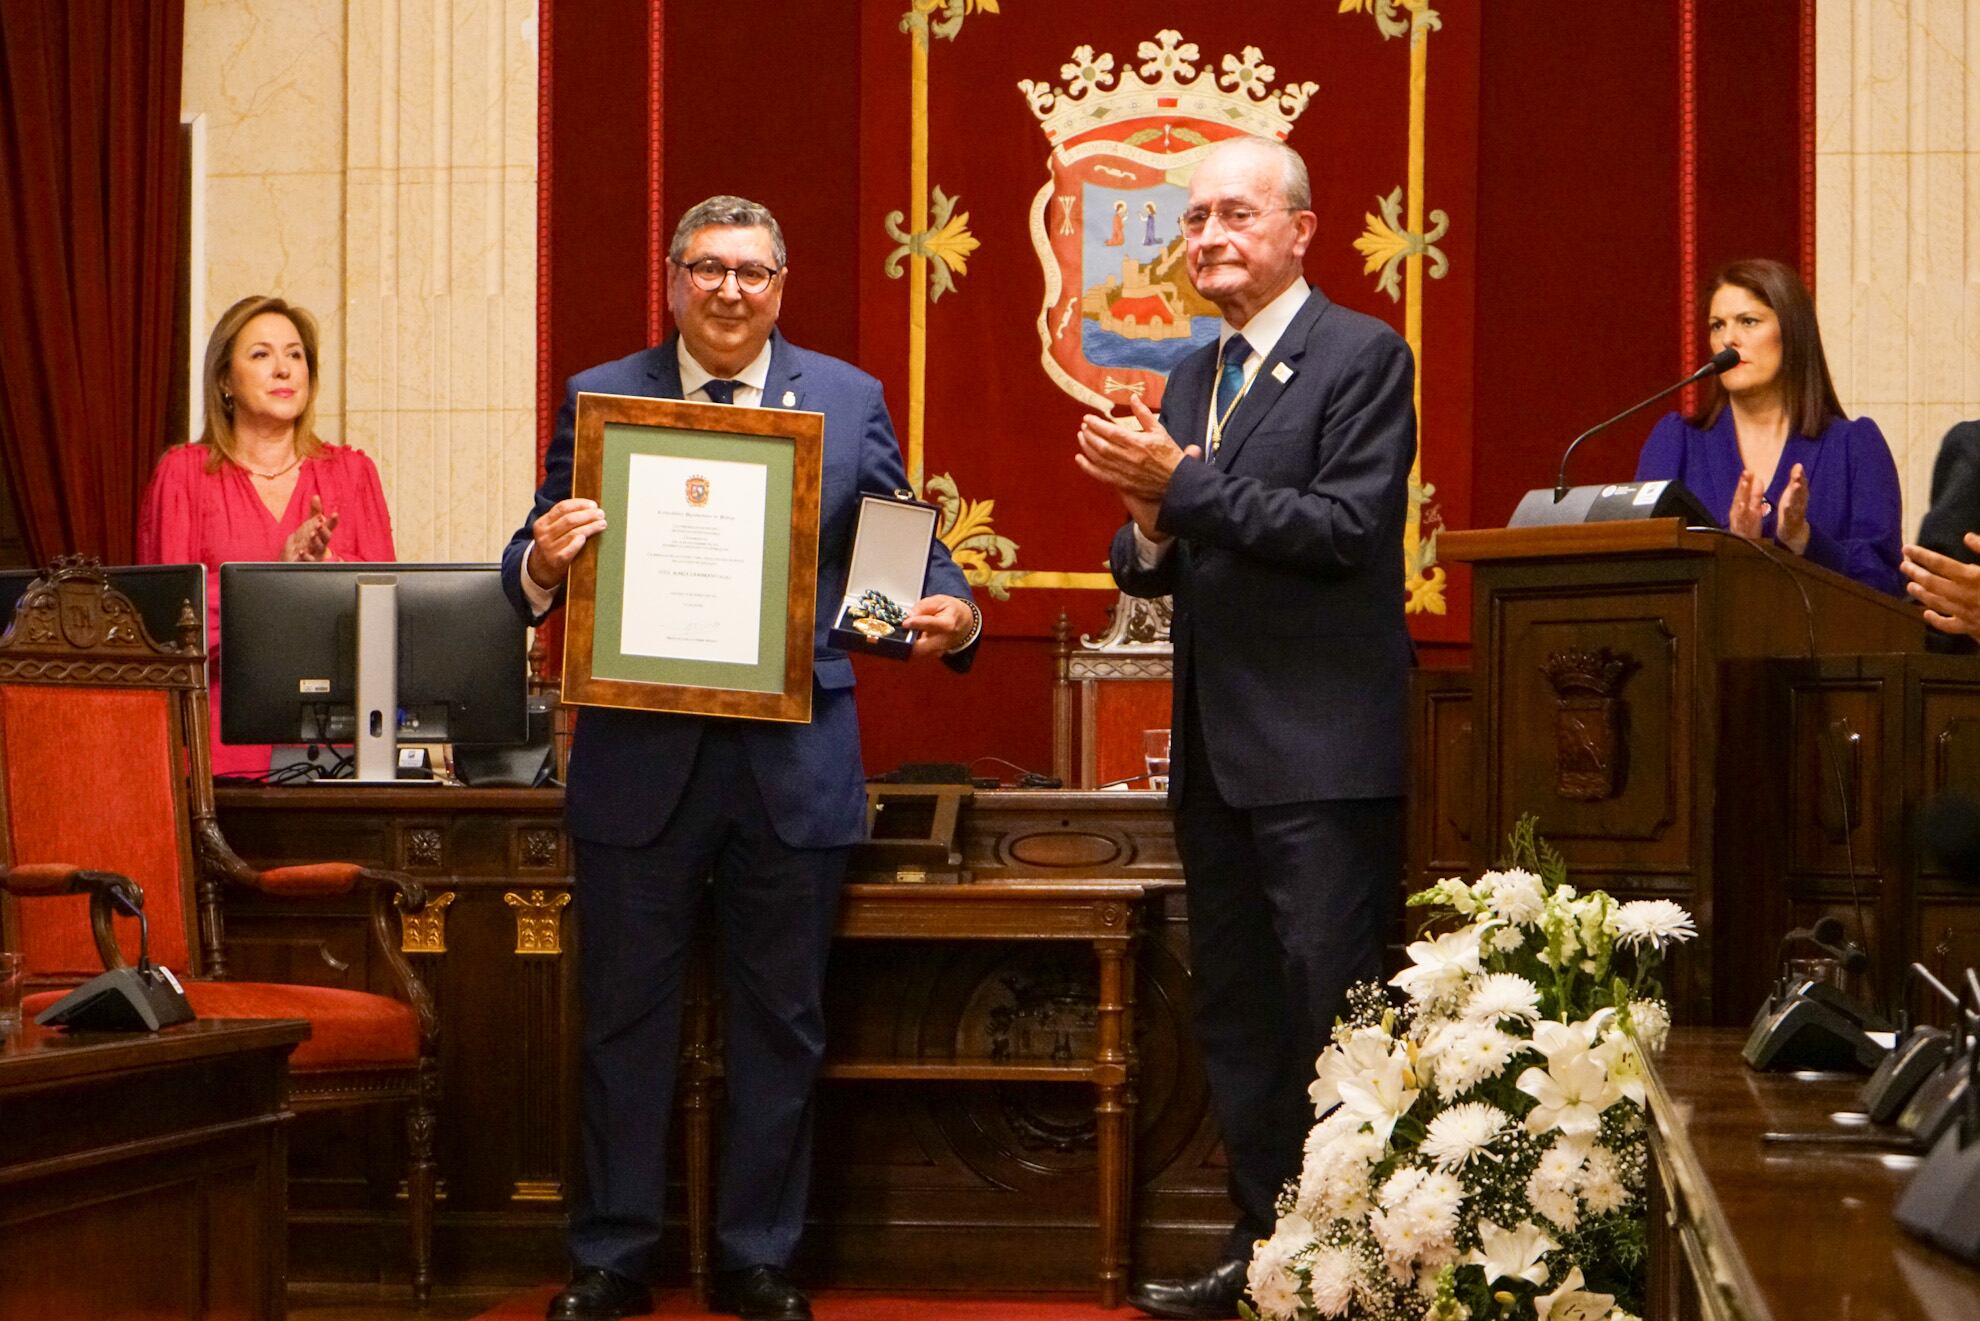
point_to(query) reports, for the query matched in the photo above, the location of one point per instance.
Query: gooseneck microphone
(1723, 360)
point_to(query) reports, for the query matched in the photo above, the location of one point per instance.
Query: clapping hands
(1749, 509)
(311, 541)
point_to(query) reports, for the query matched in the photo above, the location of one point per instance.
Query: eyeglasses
(1234, 219)
(709, 274)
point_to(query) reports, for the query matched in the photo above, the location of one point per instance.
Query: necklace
(279, 472)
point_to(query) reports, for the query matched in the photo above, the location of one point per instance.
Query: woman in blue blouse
(1771, 446)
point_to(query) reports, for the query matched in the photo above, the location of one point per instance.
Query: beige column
(1897, 226)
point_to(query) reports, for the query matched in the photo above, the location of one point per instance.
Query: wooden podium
(1627, 691)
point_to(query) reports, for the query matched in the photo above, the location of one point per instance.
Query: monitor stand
(377, 738)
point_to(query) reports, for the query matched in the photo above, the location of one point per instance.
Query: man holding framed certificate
(661, 801)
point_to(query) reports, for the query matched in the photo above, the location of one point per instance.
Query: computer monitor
(454, 659)
(159, 591)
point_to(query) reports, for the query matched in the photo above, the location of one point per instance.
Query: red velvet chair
(104, 768)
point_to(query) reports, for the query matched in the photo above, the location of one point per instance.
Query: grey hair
(733, 212)
(1295, 185)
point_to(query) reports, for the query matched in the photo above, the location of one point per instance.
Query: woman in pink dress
(259, 484)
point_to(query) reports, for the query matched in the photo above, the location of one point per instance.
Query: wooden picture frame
(711, 480)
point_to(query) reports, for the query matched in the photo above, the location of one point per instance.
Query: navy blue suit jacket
(1287, 570)
(628, 768)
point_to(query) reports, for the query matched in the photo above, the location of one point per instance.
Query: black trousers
(1289, 905)
(775, 908)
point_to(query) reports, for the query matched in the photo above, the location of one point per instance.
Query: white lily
(1512, 1254)
(1618, 1056)
(1571, 1302)
(1572, 1091)
(1439, 967)
(1362, 1052)
(1381, 1095)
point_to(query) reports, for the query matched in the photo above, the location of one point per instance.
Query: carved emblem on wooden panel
(539, 921)
(425, 932)
(539, 849)
(1590, 749)
(422, 846)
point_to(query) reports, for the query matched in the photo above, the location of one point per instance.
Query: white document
(694, 559)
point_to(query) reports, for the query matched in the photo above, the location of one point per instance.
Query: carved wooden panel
(1639, 820)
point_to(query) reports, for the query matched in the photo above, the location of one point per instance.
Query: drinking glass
(13, 975)
(1155, 751)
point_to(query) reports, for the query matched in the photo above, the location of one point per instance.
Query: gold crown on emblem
(1168, 82)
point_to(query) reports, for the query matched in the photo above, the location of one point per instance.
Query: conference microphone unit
(1613, 500)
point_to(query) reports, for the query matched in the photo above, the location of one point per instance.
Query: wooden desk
(145, 1175)
(1775, 1231)
(965, 1185)
(1107, 916)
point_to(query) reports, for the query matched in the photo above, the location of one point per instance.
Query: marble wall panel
(1898, 219)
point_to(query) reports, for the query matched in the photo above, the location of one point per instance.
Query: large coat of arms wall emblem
(1119, 311)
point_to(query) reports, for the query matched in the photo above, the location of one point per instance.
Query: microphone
(1723, 360)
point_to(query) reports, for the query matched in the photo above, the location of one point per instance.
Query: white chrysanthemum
(1506, 939)
(1335, 1272)
(1502, 995)
(1516, 896)
(1654, 922)
(1400, 1185)
(1602, 1187)
(1561, 1164)
(1439, 967)
(1464, 1133)
(1466, 1054)
(1559, 1205)
(1650, 1021)
(1333, 1179)
(1274, 1287)
(1512, 1254)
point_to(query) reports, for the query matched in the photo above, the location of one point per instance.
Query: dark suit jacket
(1287, 571)
(1955, 509)
(628, 768)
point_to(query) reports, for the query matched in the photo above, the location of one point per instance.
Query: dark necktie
(721, 392)
(1230, 384)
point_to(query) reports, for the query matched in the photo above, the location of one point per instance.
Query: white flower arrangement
(1480, 1152)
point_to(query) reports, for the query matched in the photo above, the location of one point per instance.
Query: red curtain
(89, 224)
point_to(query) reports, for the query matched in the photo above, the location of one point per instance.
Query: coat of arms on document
(1119, 311)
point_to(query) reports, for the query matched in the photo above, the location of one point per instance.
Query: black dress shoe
(1211, 1296)
(599, 1295)
(760, 1293)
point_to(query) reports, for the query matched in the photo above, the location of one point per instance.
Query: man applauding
(1269, 498)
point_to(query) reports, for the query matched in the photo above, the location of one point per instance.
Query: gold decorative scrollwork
(921, 22)
(425, 932)
(539, 921)
(1388, 242)
(985, 558)
(946, 244)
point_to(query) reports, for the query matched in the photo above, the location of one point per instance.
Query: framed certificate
(700, 595)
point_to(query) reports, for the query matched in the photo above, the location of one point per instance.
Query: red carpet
(850, 1306)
